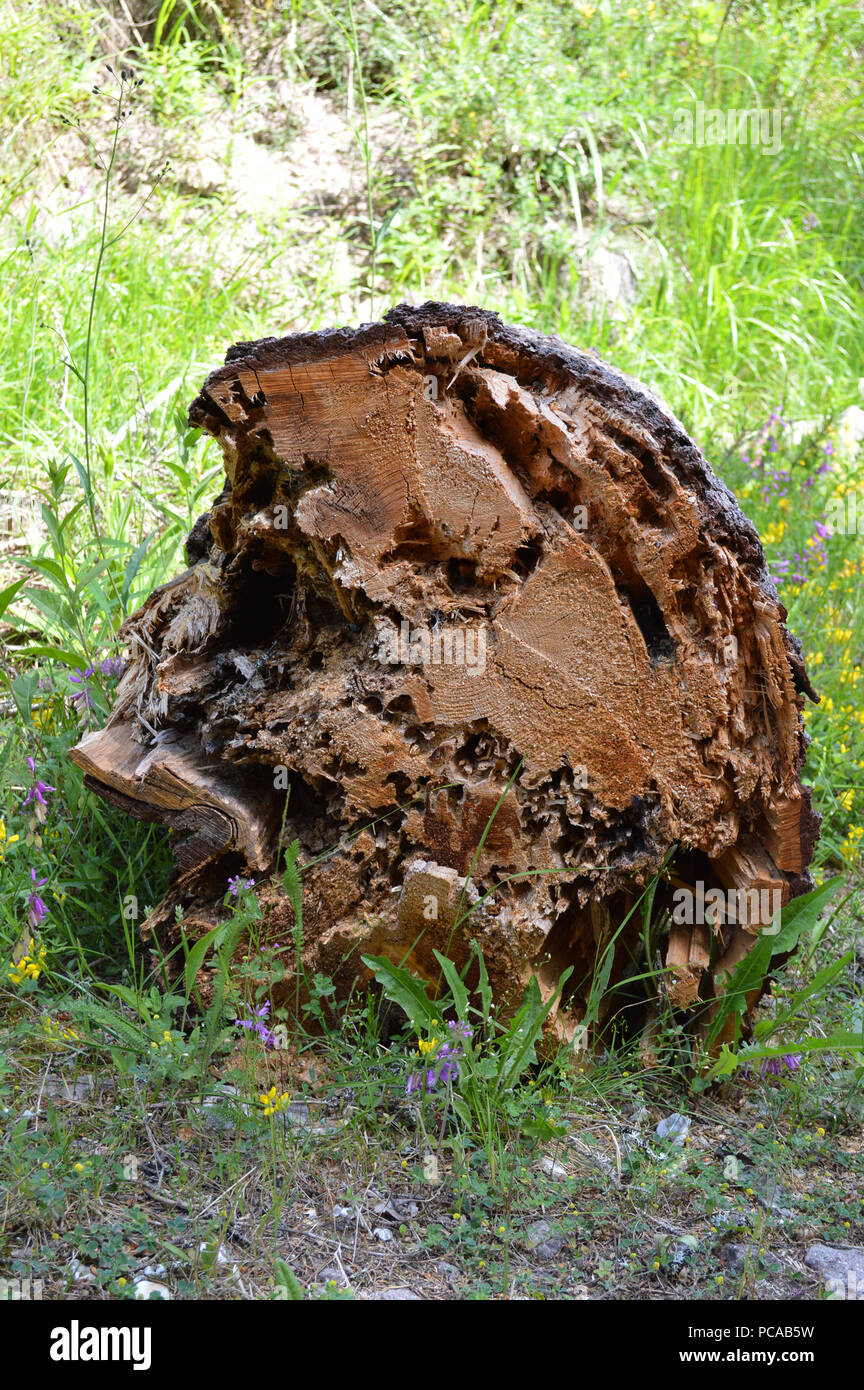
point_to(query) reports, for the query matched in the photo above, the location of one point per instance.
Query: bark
(458, 566)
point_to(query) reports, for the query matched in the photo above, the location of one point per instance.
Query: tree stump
(476, 604)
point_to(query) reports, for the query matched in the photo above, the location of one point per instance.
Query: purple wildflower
(810, 221)
(814, 553)
(255, 1024)
(446, 1067)
(112, 666)
(37, 792)
(36, 909)
(775, 1066)
(423, 1081)
(239, 884)
(448, 1060)
(81, 678)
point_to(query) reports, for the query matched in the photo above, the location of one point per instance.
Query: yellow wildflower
(30, 966)
(273, 1102)
(5, 840)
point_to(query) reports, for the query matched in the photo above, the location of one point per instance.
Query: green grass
(527, 131)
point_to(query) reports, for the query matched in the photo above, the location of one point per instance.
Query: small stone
(683, 1250)
(386, 1209)
(841, 1270)
(145, 1289)
(68, 1088)
(541, 1240)
(770, 1195)
(382, 1233)
(397, 1209)
(552, 1169)
(732, 1220)
(674, 1127)
(738, 1257)
(78, 1270)
(430, 1168)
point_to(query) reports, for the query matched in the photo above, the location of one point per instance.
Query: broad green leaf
(819, 983)
(747, 975)
(484, 989)
(44, 565)
(195, 957)
(45, 652)
(801, 915)
(406, 990)
(517, 1047)
(132, 567)
(8, 593)
(463, 1110)
(456, 985)
(541, 1128)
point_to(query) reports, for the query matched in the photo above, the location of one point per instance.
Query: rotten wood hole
(440, 485)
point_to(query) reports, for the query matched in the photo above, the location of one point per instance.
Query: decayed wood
(456, 567)
(211, 810)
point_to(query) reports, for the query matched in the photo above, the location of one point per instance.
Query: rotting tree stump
(454, 564)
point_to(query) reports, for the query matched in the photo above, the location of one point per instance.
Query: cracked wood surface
(438, 486)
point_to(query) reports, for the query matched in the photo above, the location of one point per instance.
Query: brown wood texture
(456, 564)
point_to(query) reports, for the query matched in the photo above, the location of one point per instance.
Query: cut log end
(477, 604)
